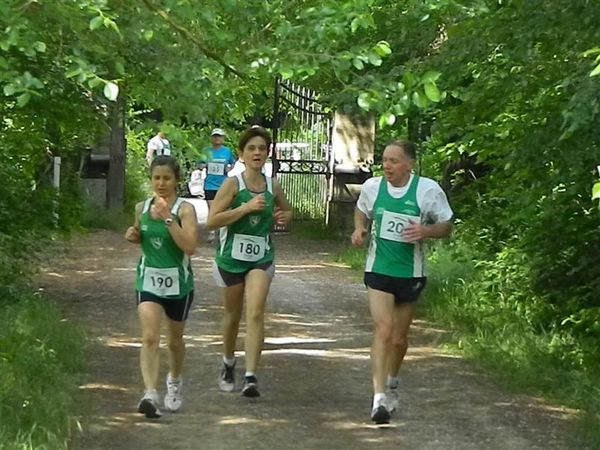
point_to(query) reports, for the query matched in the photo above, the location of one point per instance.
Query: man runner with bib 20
(245, 209)
(166, 228)
(405, 210)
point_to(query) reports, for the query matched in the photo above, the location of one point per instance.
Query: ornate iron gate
(302, 156)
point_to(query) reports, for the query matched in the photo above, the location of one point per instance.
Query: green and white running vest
(389, 254)
(247, 243)
(164, 269)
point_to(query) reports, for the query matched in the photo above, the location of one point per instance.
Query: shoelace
(174, 386)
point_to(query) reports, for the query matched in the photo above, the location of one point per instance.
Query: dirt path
(315, 378)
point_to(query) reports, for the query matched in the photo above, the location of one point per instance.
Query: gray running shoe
(227, 378)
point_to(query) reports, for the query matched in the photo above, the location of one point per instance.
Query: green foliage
(312, 229)
(40, 357)
(354, 257)
(523, 106)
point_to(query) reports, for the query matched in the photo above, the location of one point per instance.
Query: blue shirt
(215, 167)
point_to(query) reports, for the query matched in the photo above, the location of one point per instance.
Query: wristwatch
(168, 221)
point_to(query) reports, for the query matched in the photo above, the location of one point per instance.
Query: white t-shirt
(157, 146)
(431, 199)
(239, 167)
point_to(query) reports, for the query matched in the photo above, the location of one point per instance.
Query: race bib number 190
(393, 224)
(161, 282)
(248, 248)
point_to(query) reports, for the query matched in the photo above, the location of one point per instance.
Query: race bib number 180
(161, 282)
(248, 248)
(393, 224)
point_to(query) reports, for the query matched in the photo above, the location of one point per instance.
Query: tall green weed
(41, 356)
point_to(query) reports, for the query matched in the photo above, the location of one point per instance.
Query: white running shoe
(173, 397)
(392, 399)
(149, 406)
(227, 377)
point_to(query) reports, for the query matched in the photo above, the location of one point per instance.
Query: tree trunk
(115, 183)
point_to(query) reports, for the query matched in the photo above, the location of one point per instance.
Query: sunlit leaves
(594, 51)
(382, 48)
(361, 21)
(432, 92)
(39, 46)
(111, 91)
(387, 119)
(374, 59)
(9, 89)
(364, 101)
(357, 62)
(96, 22)
(596, 191)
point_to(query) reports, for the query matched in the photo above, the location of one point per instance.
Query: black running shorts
(176, 309)
(224, 278)
(210, 194)
(404, 290)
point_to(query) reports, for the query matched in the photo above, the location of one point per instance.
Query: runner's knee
(400, 342)
(150, 340)
(254, 314)
(384, 329)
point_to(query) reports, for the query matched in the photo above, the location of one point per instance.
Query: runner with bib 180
(166, 228)
(405, 210)
(245, 209)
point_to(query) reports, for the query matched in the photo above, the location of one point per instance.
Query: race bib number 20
(161, 282)
(393, 224)
(248, 248)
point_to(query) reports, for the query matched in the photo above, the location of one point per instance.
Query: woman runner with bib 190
(166, 228)
(245, 209)
(405, 210)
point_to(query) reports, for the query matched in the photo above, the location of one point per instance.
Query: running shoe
(173, 397)
(227, 378)
(392, 399)
(250, 388)
(380, 414)
(149, 406)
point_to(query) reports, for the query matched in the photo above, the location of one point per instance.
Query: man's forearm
(360, 220)
(438, 230)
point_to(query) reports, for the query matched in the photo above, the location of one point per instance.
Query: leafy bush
(498, 319)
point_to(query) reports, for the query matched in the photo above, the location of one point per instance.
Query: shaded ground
(314, 379)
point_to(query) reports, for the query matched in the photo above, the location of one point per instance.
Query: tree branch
(194, 39)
